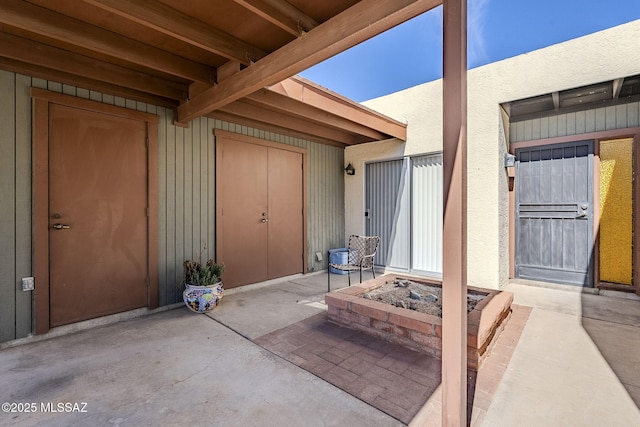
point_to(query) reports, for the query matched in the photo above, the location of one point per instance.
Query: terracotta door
(259, 212)
(97, 214)
(285, 212)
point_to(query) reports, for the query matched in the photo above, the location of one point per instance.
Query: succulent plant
(199, 274)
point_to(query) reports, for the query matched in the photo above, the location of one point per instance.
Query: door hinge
(147, 142)
(147, 281)
(147, 212)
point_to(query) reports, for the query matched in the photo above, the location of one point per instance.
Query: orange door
(242, 212)
(285, 213)
(259, 214)
(97, 215)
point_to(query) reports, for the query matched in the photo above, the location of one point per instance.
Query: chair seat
(345, 267)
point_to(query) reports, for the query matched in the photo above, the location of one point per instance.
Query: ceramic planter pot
(202, 299)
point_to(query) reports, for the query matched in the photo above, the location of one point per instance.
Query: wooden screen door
(259, 212)
(97, 214)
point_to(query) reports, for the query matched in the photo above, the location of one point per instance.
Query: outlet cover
(27, 283)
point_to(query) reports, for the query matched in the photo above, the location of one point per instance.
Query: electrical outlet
(27, 283)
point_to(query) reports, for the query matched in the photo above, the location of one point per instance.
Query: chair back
(362, 249)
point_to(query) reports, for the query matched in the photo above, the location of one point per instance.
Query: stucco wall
(602, 56)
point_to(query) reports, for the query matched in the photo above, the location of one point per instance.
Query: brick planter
(419, 331)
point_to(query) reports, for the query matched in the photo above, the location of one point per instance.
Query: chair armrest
(365, 257)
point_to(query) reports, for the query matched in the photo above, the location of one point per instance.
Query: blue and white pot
(201, 299)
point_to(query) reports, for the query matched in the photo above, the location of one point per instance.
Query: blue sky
(411, 53)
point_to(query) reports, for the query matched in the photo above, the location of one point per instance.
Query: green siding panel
(186, 199)
(23, 205)
(8, 285)
(580, 122)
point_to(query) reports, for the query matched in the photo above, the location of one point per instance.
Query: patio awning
(203, 57)
(300, 107)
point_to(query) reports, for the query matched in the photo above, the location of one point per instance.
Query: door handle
(264, 220)
(60, 226)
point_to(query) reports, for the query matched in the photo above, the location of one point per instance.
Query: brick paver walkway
(389, 377)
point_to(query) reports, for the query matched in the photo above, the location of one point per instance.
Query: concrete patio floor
(575, 363)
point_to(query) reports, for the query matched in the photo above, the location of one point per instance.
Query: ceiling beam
(360, 22)
(312, 94)
(258, 113)
(281, 14)
(28, 51)
(169, 21)
(83, 83)
(617, 87)
(285, 105)
(270, 127)
(555, 96)
(67, 30)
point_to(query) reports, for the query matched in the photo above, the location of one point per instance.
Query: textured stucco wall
(616, 211)
(602, 56)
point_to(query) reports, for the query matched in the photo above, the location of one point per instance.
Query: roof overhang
(300, 107)
(207, 58)
(596, 95)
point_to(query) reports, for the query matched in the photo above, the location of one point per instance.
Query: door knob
(60, 226)
(264, 220)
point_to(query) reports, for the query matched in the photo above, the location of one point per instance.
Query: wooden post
(454, 269)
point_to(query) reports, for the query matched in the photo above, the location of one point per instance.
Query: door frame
(226, 135)
(41, 102)
(634, 133)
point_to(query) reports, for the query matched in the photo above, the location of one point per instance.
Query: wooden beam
(284, 105)
(228, 69)
(617, 87)
(169, 21)
(83, 82)
(28, 51)
(258, 113)
(555, 96)
(270, 127)
(90, 38)
(314, 95)
(360, 22)
(282, 14)
(454, 268)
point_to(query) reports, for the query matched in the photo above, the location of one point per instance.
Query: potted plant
(203, 288)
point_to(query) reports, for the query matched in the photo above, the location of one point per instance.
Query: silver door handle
(60, 226)
(264, 220)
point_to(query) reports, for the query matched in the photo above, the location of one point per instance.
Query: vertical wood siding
(15, 206)
(186, 194)
(579, 122)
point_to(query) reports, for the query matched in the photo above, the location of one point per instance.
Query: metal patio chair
(361, 251)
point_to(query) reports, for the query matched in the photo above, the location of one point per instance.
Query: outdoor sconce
(350, 170)
(509, 160)
(510, 166)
